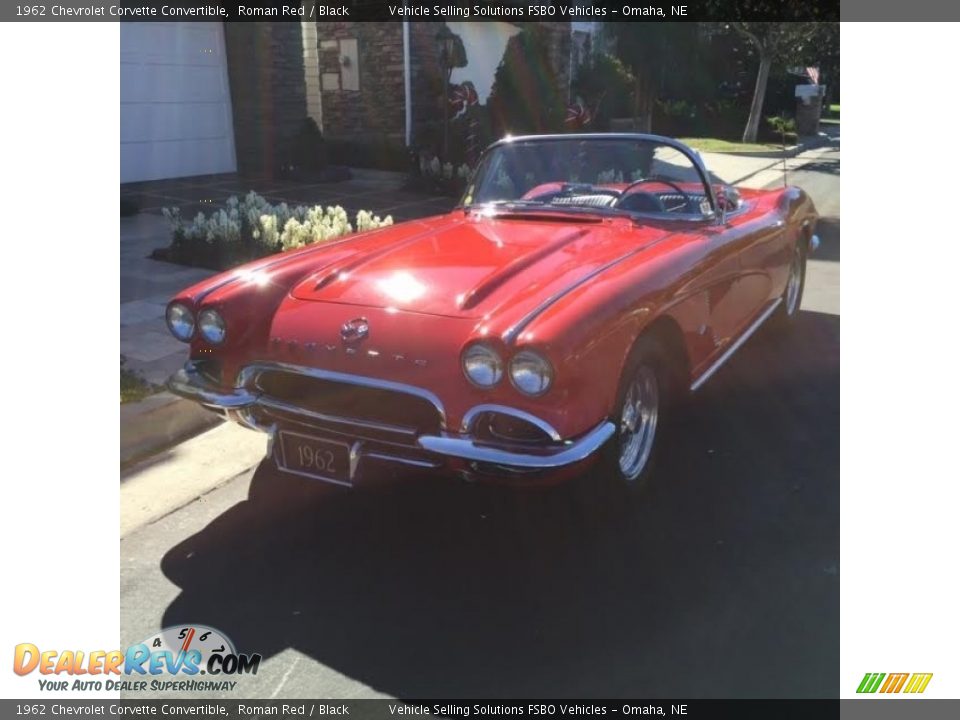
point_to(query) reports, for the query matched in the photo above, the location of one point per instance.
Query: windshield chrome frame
(694, 157)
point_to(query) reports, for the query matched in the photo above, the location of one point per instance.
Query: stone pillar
(311, 67)
(809, 107)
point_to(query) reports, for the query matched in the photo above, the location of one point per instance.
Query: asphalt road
(724, 582)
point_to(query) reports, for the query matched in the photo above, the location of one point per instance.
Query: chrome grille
(360, 410)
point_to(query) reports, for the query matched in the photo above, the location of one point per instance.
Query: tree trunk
(643, 99)
(756, 107)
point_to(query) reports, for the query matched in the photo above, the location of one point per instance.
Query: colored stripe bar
(918, 682)
(894, 682)
(870, 682)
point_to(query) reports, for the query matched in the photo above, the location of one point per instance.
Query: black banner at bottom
(872, 708)
(409, 709)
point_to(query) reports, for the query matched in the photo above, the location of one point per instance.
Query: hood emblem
(355, 330)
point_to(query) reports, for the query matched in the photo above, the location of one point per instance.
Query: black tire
(616, 481)
(792, 298)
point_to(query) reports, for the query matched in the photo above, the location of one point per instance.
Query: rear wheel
(793, 293)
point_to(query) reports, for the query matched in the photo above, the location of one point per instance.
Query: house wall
(376, 108)
(272, 90)
(484, 43)
(365, 97)
(266, 67)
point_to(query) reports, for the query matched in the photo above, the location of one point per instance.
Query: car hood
(467, 265)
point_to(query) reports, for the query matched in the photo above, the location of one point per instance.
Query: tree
(649, 49)
(771, 41)
(526, 96)
(604, 84)
(791, 39)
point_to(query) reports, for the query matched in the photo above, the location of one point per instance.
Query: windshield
(616, 174)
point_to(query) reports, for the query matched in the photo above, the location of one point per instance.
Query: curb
(808, 143)
(789, 152)
(157, 422)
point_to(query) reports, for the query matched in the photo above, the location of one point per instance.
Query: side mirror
(728, 198)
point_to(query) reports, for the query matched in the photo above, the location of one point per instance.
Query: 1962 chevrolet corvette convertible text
(582, 285)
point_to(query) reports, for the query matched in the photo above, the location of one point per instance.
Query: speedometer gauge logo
(191, 650)
(183, 638)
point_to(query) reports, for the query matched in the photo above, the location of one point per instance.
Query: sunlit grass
(132, 385)
(718, 145)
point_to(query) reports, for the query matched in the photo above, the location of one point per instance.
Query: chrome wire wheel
(794, 283)
(638, 422)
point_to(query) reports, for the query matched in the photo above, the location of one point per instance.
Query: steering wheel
(687, 200)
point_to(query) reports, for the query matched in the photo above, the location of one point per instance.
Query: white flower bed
(252, 227)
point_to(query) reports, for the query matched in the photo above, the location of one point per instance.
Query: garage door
(175, 117)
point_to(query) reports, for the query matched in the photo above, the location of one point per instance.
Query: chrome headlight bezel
(212, 326)
(477, 353)
(181, 321)
(523, 362)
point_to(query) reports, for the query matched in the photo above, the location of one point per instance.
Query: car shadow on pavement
(723, 582)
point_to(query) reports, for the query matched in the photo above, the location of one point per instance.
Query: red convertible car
(581, 287)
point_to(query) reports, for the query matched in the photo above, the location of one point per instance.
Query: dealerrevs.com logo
(171, 660)
(910, 683)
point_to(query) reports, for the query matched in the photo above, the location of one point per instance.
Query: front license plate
(315, 457)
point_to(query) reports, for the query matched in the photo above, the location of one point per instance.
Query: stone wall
(376, 109)
(267, 91)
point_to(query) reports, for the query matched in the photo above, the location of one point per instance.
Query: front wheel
(640, 414)
(637, 431)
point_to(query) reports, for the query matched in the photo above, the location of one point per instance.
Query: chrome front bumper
(240, 403)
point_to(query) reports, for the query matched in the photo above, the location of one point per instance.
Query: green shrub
(526, 96)
(309, 148)
(605, 85)
(782, 125)
(251, 228)
(779, 129)
(376, 153)
(722, 118)
(132, 385)
(435, 176)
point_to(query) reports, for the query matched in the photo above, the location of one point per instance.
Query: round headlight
(530, 373)
(212, 326)
(482, 366)
(180, 321)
